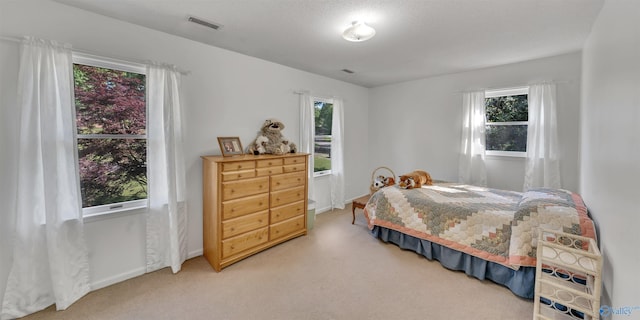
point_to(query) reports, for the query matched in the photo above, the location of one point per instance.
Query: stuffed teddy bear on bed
(271, 141)
(415, 179)
(382, 181)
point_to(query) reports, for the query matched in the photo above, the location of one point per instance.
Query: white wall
(226, 94)
(610, 146)
(417, 124)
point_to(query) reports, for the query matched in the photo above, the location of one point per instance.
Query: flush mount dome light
(358, 31)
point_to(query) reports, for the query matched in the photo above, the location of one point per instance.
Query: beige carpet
(338, 271)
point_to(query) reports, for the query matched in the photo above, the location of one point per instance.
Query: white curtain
(307, 134)
(167, 212)
(337, 156)
(50, 259)
(472, 169)
(542, 168)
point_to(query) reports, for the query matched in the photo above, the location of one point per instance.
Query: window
(322, 144)
(506, 122)
(110, 101)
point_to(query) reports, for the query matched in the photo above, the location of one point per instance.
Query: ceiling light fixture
(358, 31)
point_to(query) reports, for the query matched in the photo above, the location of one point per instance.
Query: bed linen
(488, 233)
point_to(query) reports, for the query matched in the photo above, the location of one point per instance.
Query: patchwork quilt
(496, 225)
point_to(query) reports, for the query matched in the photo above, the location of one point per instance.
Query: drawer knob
(260, 203)
(232, 191)
(233, 229)
(277, 183)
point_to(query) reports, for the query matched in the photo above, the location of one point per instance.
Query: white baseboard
(117, 278)
(132, 273)
(321, 210)
(347, 203)
(195, 253)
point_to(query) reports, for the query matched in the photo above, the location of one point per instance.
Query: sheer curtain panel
(472, 168)
(167, 212)
(307, 134)
(337, 156)
(50, 259)
(542, 168)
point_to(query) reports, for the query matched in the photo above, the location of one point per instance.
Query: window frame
(108, 63)
(503, 93)
(323, 172)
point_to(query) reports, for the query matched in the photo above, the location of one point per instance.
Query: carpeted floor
(338, 271)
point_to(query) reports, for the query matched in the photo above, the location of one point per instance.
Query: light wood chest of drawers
(251, 203)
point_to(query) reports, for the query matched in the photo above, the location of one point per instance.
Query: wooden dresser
(251, 203)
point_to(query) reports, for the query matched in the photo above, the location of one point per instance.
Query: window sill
(508, 154)
(322, 173)
(88, 218)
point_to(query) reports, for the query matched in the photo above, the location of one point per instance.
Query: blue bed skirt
(520, 282)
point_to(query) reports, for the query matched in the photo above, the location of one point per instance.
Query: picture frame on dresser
(230, 146)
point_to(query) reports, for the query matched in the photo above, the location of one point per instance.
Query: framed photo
(230, 146)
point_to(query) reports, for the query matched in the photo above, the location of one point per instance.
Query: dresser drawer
(244, 241)
(268, 163)
(237, 175)
(295, 160)
(287, 180)
(287, 227)
(261, 172)
(294, 168)
(240, 207)
(287, 211)
(243, 188)
(279, 198)
(238, 166)
(243, 224)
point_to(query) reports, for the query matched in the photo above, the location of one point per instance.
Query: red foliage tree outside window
(111, 124)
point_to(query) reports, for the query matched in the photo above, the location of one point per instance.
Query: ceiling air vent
(347, 71)
(207, 24)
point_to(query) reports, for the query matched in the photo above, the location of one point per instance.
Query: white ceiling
(415, 38)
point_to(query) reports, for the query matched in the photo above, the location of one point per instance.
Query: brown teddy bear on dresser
(415, 179)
